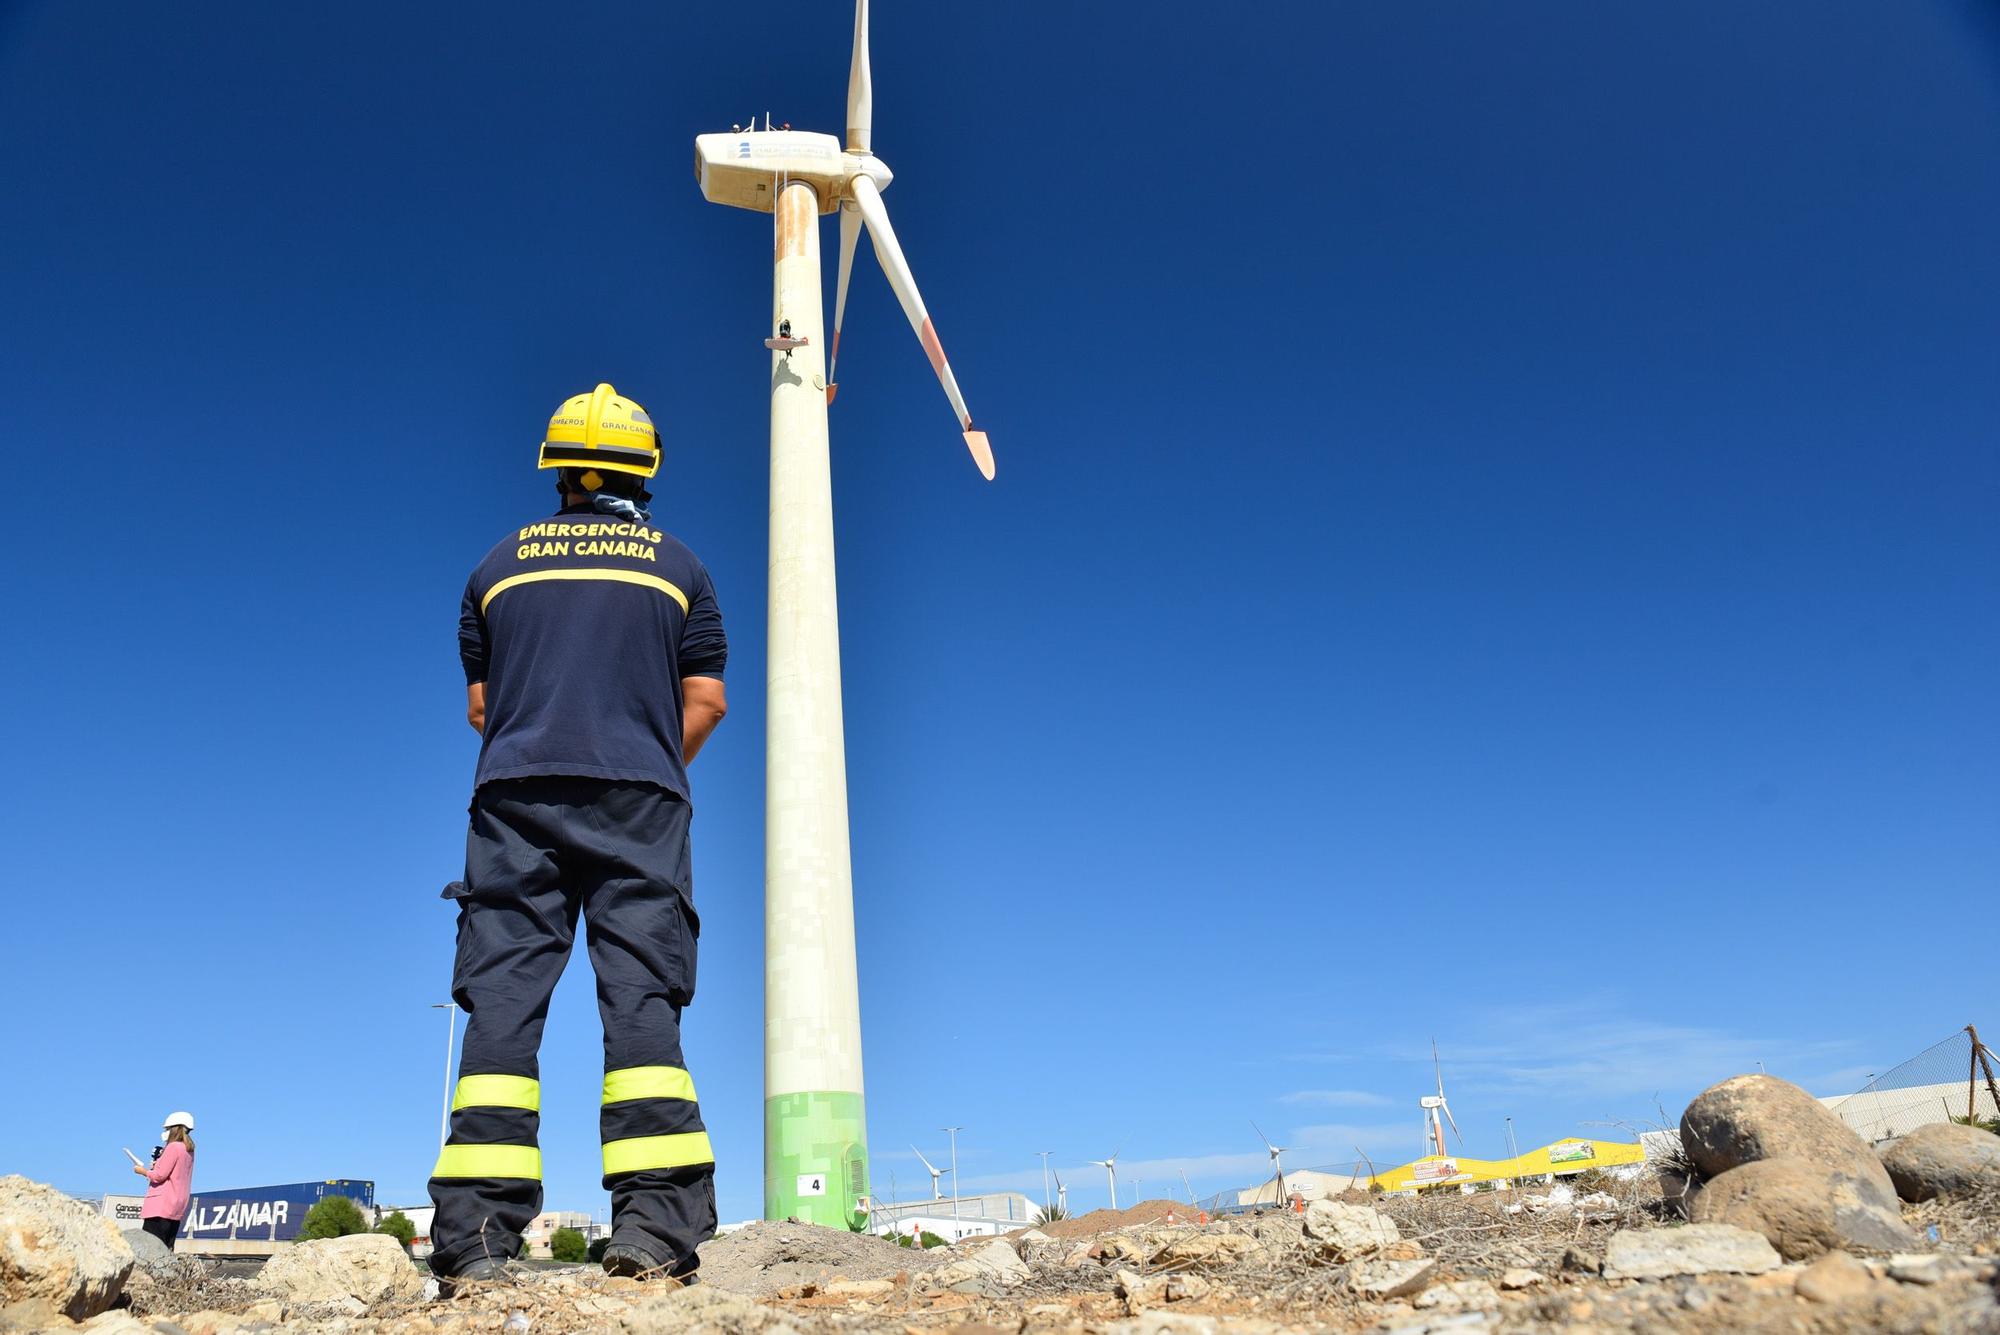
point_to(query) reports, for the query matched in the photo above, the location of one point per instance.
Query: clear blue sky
(1494, 539)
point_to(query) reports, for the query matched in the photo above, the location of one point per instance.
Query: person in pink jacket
(169, 1180)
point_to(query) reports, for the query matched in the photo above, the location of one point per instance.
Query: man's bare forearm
(703, 705)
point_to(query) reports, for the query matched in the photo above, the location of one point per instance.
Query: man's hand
(475, 706)
(703, 707)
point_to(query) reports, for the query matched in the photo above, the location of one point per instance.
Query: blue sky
(1493, 541)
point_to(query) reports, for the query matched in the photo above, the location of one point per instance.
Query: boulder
(148, 1252)
(1943, 1159)
(366, 1267)
(1459, 1295)
(1380, 1279)
(1141, 1292)
(1520, 1277)
(990, 1269)
(1748, 1118)
(1941, 1268)
(1805, 1210)
(58, 1250)
(1698, 1249)
(1834, 1279)
(1349, 1231)
(1198, 1249)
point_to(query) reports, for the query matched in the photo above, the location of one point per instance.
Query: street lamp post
(954, 1171)
(450, 1009)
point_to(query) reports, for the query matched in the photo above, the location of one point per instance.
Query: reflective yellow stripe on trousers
(497, 1091)
(489, 1161)
(648, 1082)
(643, 1152)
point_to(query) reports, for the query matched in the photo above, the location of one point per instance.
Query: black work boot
(483, 1270)
(635, 1262)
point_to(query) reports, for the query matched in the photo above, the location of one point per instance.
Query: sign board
(812, 1184)
(122, 1210)
(1572, 1151)
(263, 1214)
(1434, 1170)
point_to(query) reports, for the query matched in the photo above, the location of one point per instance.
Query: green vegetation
(567, 1244)
(1048, 1214)
(929, 1240)
(333, 1217)
(398, 1226)
(1983, 1123)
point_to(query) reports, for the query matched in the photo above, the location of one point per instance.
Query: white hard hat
(179, 1119)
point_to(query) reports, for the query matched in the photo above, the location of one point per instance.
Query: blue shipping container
(265, 1213)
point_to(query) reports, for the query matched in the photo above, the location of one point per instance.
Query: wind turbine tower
(1437, 1111)
(1276, 1151)
(936, 1173)
(1110, 1167)
(815, 1125)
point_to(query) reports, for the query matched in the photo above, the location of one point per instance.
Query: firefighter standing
(593, 652)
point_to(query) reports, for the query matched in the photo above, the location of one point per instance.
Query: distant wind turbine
(1110, 1167)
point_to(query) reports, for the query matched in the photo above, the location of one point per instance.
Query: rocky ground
(1817, 1244)
(1606, 1262)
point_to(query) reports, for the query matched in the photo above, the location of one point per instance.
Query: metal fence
(1948, 1081)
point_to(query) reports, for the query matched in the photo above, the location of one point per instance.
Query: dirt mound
(762, 1258)
(1110, 1221)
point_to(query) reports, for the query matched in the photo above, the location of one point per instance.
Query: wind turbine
(1277, 1162)
(815, 1127)
(1438, 1111)
(1062, 1192)
(1110, 1167)
(936, 1173)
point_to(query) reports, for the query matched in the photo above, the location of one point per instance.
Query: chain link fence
(1948, 1081)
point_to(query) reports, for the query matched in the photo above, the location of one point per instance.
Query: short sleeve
(473, 645)
(704, 649)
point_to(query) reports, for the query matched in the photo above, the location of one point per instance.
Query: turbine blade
(860, 86)
(921, 1159)
(1260, 1133)
(1446, 1110)
(850, 235)
(889, 253)
(1438, 1067)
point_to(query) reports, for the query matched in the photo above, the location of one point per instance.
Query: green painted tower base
(816, 1159)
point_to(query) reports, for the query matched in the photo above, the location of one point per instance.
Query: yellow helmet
(603, 431)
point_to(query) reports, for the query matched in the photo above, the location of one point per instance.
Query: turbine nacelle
(746, 169)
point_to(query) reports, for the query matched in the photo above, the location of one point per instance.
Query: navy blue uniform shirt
(582, 626)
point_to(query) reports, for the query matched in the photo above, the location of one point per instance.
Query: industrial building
(1565, 1158)
(966, 1217)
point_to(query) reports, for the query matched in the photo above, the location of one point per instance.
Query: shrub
(398, 1226)
(333, 1217)
(929, 1240)
(566, 1244)
(1048, 1214)
(1983, 1123)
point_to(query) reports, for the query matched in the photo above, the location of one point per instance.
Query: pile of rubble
(1776, 1224)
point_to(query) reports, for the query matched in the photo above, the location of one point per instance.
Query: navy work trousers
(539, 852)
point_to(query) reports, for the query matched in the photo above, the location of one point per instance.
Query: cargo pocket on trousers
(458, 893)
(682, 992)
